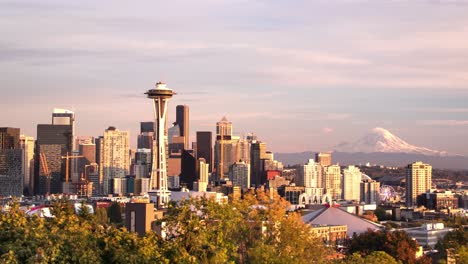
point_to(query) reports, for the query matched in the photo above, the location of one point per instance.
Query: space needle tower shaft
(158, 181)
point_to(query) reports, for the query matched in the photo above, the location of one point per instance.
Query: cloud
(438, 109)
(327, 130)
(448, 123)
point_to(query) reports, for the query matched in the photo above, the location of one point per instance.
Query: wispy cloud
(449, 123)
(439, 109)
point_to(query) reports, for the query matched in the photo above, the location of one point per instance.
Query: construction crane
(67, 170)
(45, 169)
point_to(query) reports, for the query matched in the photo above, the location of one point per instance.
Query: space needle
(158, 181)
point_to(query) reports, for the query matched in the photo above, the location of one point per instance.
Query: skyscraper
(53, 142)
(65, 117)
(146, 127)
(257, 155)
(158, 183)
(182, 119)
(324, 159)
(370, 190)
(332, 181)
(115, 161)
(205, 147)
(27, 144)
(188, 174)
(239, 174)
(352, 184)
(418, 181)
(9, 138)
(312, 175)
(11, 176)
(203, 174)
(226, 148)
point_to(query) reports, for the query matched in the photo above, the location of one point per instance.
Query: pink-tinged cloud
(327, 130)
(450, 123)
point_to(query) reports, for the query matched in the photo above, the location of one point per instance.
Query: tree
(84, 211)
(376, 257)
(101, 216)
(455, 239)
(397, 244)
(256, 229)
(381, 214)
(115, 213)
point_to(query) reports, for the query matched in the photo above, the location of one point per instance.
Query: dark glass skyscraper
(146, 127)
(9, 138)
(53, 142)
(182, 119)
(205, 147)
(11, 162)
(257, 157)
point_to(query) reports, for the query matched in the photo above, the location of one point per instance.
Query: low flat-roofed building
(438, 200)
(428, 235)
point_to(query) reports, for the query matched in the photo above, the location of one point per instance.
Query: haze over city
(323, 71)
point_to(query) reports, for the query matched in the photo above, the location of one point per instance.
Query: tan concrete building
(332, 181)
(138, 217)
(418, 181)
(115, 162)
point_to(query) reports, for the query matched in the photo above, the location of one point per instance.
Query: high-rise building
(12, 161)
(257, 157)
(27, 144)
(145, 140)
(146, 127)
(53, 142)
(311, 175)
(324, 159)
(369, 190)
(142, 166)
(203, 171)
(418, 181)
(352, 184)
(182, 119)
(11, 176)
(188, 173)
(9, 138)
(65, 117)
(223, 129)
(158, 183)
(226, 148)
(244, 150)
(332, 181)
(115, 162)
(205, 147)
(239, 174)
(88, 151)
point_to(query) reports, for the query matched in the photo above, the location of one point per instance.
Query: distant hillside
(380, 158)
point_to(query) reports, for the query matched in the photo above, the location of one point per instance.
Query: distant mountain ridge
(380, 140)
(379, 158)
(381, 147)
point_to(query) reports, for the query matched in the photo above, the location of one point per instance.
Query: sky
(301, 75)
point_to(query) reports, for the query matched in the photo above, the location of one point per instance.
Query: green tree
(381, 214)
(100, 216)
(376, 257)
(115, 213)
(256, 229)
(455, 239)
(84, 212)
(397, 244)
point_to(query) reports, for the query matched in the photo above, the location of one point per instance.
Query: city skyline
(327, 71)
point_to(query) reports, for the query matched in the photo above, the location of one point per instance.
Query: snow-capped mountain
(382, 140)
